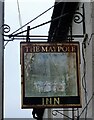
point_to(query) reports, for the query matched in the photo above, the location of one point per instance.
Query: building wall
(1, 58)
(92, 15)
(88, 61)
(88, 69)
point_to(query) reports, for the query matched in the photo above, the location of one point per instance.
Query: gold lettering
(73, 48)
(62, 49)
(44, 49)
(54, 48)
(65, 48)
(59, 48)
(56, 101)
(33, 49)
(50, 49)
(37, 49)
(43, 101)
(26, 49)
(48, 101)
(68, 49)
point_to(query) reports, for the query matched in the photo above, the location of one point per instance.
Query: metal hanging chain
(34, 18)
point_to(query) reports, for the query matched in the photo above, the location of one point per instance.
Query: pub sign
(50, 74)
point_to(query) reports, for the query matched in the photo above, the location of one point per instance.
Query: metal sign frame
(50, 75)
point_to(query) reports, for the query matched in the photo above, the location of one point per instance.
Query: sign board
(50, 75)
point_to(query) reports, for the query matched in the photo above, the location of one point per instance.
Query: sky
(29, 9)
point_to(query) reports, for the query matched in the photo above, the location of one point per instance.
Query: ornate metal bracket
(79, 18)
(6, 28)
(56, 112)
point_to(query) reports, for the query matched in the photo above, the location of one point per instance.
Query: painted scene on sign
(50, 74)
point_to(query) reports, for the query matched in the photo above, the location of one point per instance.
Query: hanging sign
(50, 74)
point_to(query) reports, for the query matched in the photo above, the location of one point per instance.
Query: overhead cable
(86, 105)
(84, 82)
(19, 13)
(20, 20)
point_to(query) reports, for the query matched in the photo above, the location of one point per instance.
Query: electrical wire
(20, 21)
(35, 18)
(84, 83)
(84, 68)
(86, 105)
(19, 13)
(90, 38)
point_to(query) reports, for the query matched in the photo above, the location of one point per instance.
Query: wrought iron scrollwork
(76, 115)
(56, 112)
(78, 17)
(6, 28)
